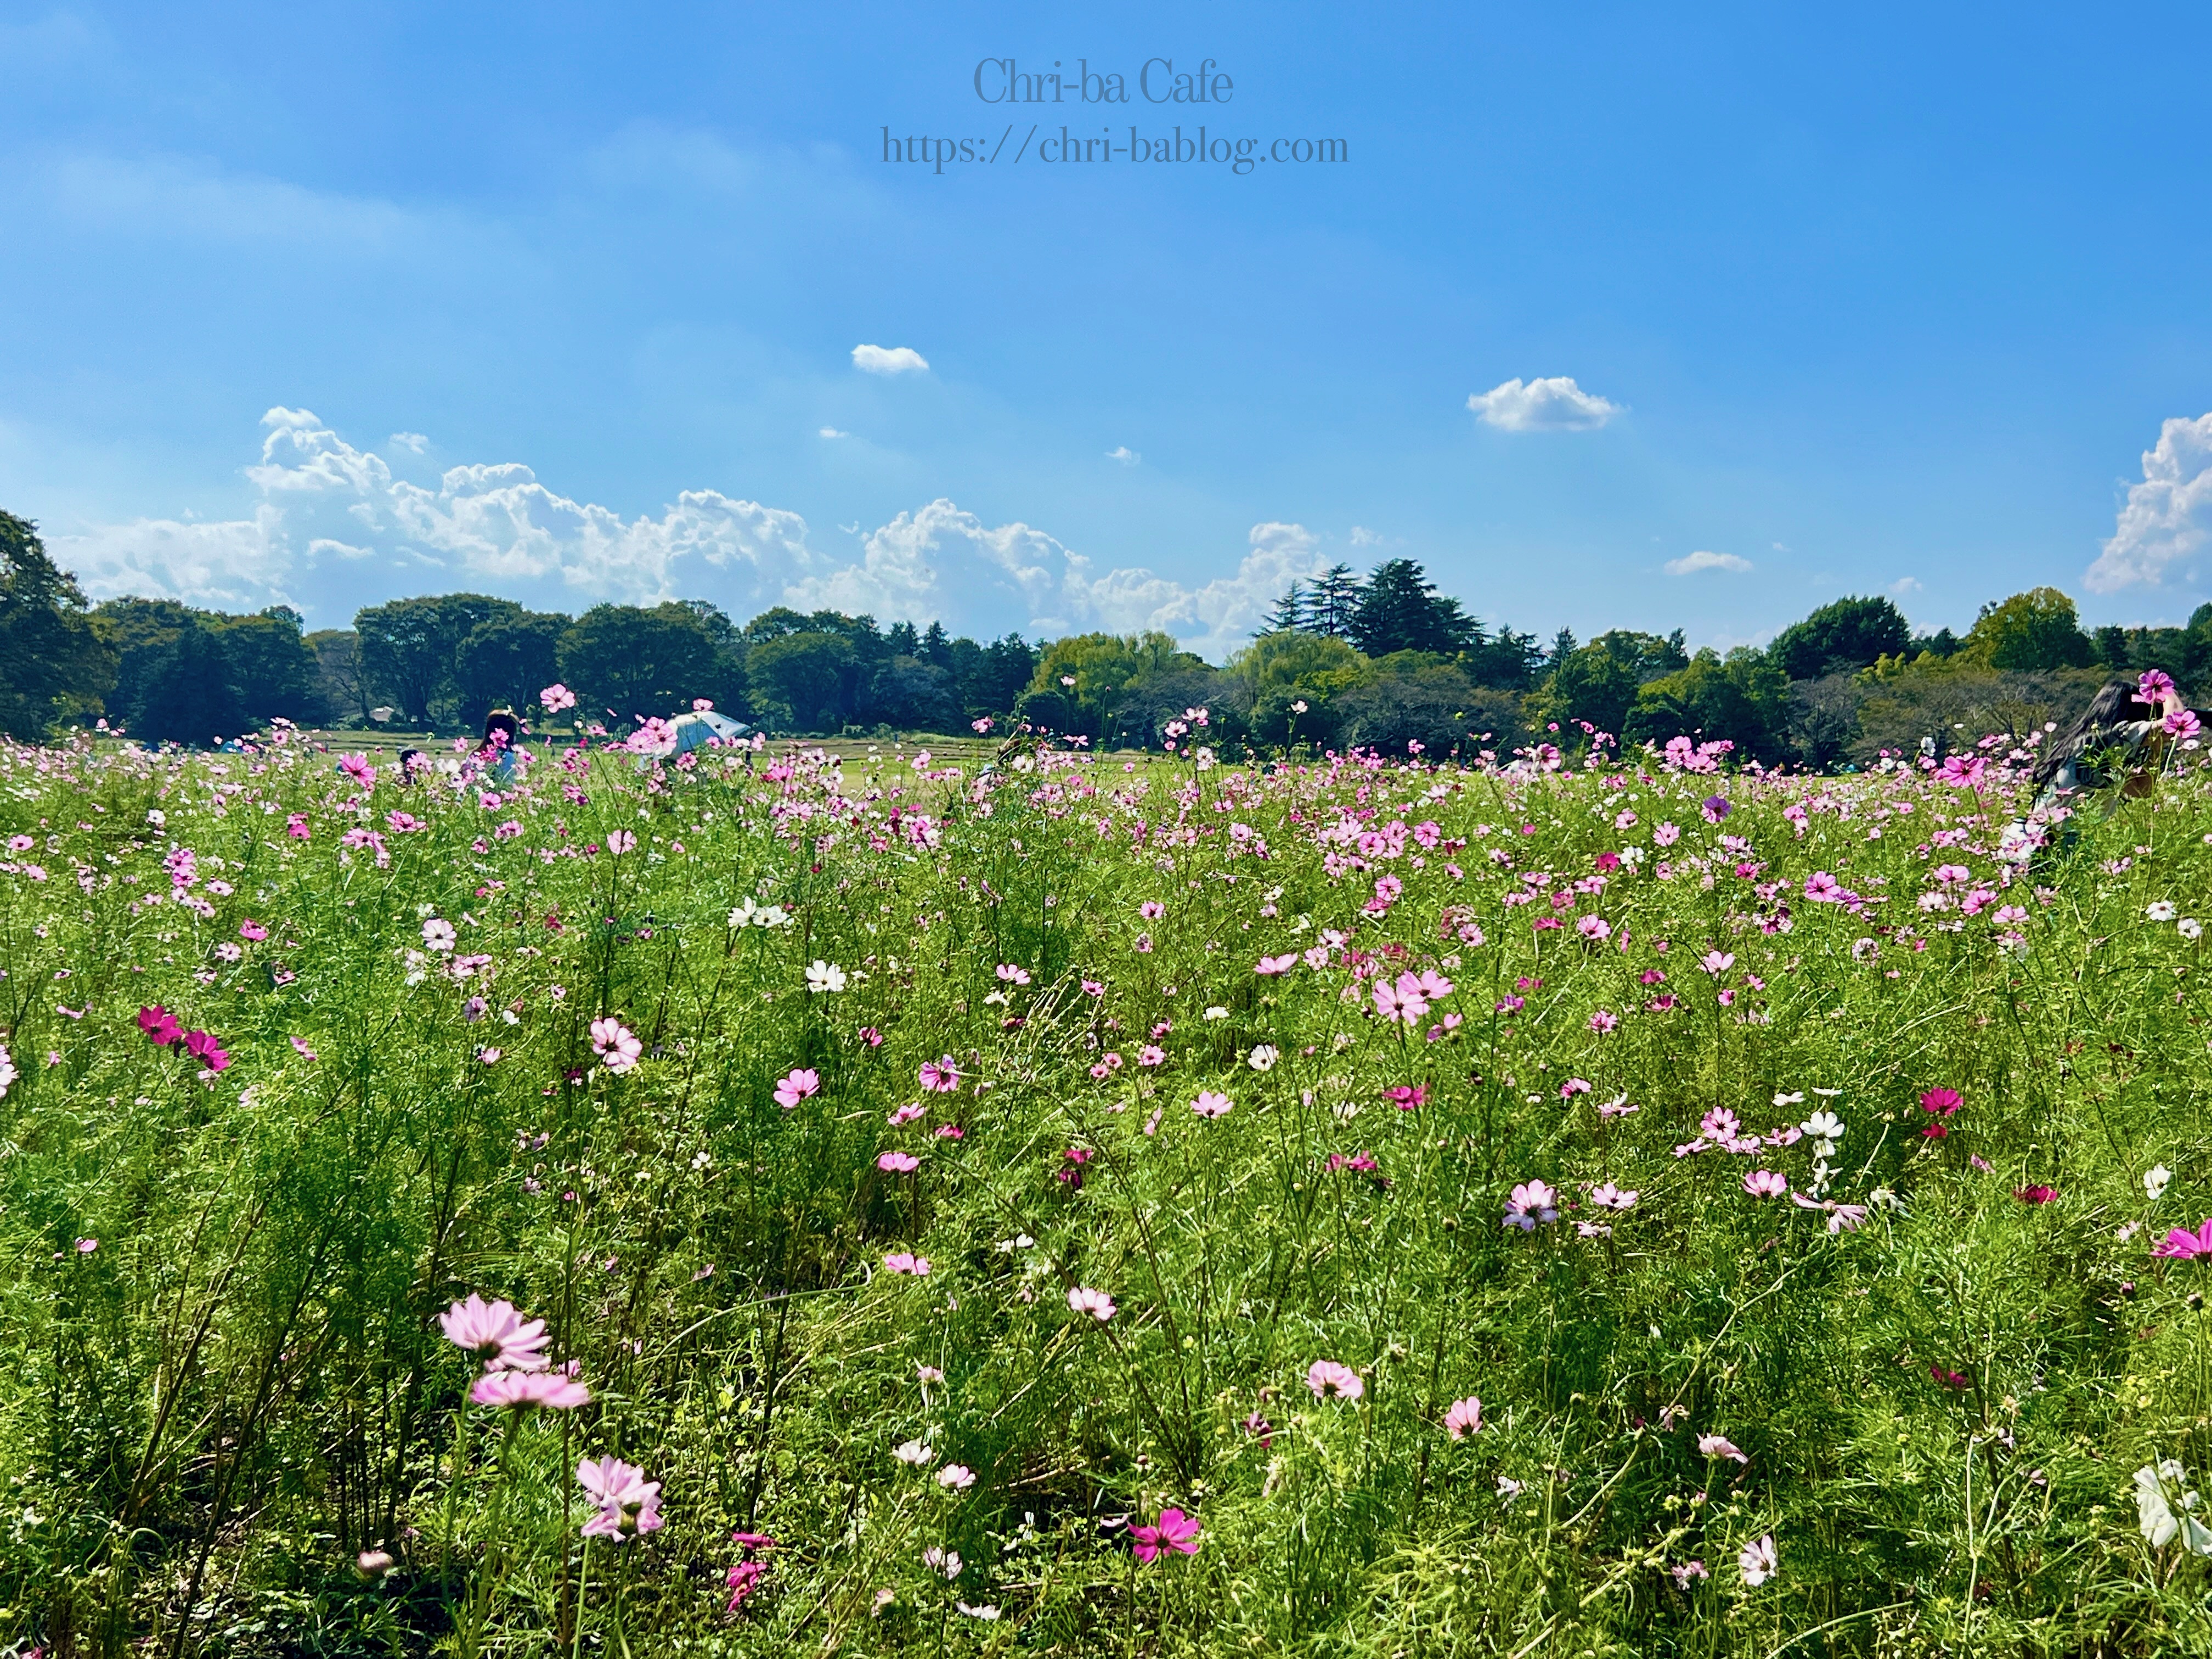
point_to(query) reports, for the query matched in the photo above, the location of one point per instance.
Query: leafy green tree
(189, 692)
(806, 679)
(53, 665)
(2039, 628)
(1413, 698)
(1505, 660)
(1599, 682)
(1742, 698)
(1848, 634)
(915, 695)
(1103, 668)
(270, 665)
(337, 668)
(410, 647)
(1289, 616)
(506, 661)
(1400, 609)
(637, 660)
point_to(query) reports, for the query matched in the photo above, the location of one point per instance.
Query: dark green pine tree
(1400, 609)
(1332, 602)
(1289, 616)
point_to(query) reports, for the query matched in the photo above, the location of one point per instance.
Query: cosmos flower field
(776, 1203)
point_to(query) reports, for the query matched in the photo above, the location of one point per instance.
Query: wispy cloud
(1124, 454)
(1690, 563)
(1905, 585)
(889, 360)
(1554, 403)
(832, 432)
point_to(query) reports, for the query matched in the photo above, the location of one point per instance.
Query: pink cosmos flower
(2181, 1244)
(1765, 1183)
(160, 1025)
(1096, 1304)
(1407, 1097)
(1594, 927)
(1531, 1201)
(1610, 1197)
(797, 1084)
(1719, 1445)
(305, 1052)
(520, 1390)
(1330, 1381)
(939, 1076)
(1209, 1104)
(1176, 1531)
(1689, 1573)
(1268, 966)
(2155, 687)
(251, 930)
(556, 697)
(1604, 1020)
(1151, 910)
(496, 1333)
(628, 1503)
(2182, 723)
(1719, 1125)
(898, 1163)
(1151, 1055)
(616, 1044)
(1822, 888)
(1012, 974)
(1401, 999)
(902, 1262)
(1464, 1419)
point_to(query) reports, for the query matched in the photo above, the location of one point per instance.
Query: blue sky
(334, 304)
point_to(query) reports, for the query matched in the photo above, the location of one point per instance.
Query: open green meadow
(1097, 1206)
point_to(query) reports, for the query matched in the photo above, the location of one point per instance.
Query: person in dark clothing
(2114, 742)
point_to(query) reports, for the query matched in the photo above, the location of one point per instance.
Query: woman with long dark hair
(2105, 745)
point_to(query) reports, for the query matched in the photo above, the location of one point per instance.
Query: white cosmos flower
(1217, 1013)
(2154, 1180)
(1759, 1561)
(1823, 1126)
(2162, 911)
(1797, 1099)
(913, 1452)
(2155, 1509)
(2189, 927)
(825, 976)
(1264, 1057)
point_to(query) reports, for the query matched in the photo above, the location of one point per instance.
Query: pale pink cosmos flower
(955, 1477)
(1717, 963)
(519, 1390)
(1151, 1055)
(1532, 1201)
(556, 697)
(1719, 1125)
(1013, 975)
(1330, 1381)
(797, 1084)
(1688, 1573)
(1269, 966)
(1464, 1419)
(1209, 1104)
(1096, 1304)
(628, 1503)
(496, 1333)
(616, 1044)
(1151, 910)
(620, 842)
(939, 1076)
(905, 1115)
(1610, 1197)
(898, 1163)
(1719, 1445)
(904, 1261)
(1401, 999)
(1765, 1183)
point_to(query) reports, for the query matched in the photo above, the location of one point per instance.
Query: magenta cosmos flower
(2181, 1244)
(520, 1390)
(496, 1333)
(1330, 1381)
(1941, 1101)
(628, 1502)
(1176, 1531)
(1464, 1419)
(939, 1076)
(160, 1025)
(796, 1086)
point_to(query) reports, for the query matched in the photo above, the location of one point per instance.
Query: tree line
(1385, 660)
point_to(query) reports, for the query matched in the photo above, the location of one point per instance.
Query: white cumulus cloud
(1690, 563)
(413, 442)
(889, 360)
(2167, 516)
(1905, 585)
(1554, 403)
(334, 528)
